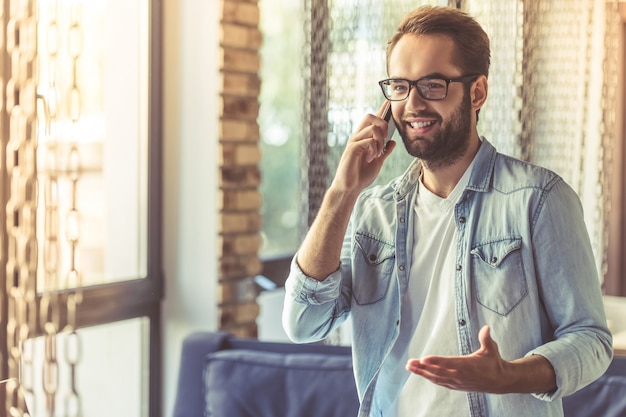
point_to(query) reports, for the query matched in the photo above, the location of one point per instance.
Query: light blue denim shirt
(524, 266)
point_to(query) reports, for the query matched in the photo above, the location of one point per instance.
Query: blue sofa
(224, 376)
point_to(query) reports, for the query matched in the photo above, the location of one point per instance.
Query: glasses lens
(432, 88)
(396, 89)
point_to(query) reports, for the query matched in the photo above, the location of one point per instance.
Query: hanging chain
(25, 138)
(609, 102)
(586, 63)
(21, 208)
(316, 105)
(61, 169)
(306, 118)
(3, 301)
(73, 405)
(50, 308)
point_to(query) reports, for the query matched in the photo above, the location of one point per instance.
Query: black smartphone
(391, 129)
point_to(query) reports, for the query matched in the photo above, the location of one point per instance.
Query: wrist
(531, 375)
(341, 197)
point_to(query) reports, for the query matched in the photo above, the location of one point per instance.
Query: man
(467, 248)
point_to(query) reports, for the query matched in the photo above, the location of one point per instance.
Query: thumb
(487, 344)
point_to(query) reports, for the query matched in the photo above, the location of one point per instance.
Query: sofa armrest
(190, 391)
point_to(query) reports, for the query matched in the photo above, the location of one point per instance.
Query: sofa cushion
(244, 383)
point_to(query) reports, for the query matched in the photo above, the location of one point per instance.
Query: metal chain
(529, 58)
(316, 110)
(61, 165)
(3, 300)
(23, 105)
(584, 107)
(50, 307)
(73, 403)
(21, 209)
(609, 104)
(306, 117)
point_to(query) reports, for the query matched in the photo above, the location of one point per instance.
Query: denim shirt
(524, 266)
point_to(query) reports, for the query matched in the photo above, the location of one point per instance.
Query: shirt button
(461, 219)
(458, 267)
(401, 219)
(401, 267)
(372, 257)
(462, 322)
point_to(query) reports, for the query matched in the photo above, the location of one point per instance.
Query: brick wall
(239, 196)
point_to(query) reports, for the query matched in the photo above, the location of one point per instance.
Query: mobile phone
(391, 129)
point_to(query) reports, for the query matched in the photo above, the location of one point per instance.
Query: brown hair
(472, 43)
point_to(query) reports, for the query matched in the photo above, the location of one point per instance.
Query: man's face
(438, 132)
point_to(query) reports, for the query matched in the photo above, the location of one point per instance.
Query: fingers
(371, 134)
(434, 363)
(389, 147)
(482, 370)
(375, 150)
(445, 373)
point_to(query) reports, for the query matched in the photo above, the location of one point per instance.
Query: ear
(478, 92)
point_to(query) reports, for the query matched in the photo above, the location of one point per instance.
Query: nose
(414, 102)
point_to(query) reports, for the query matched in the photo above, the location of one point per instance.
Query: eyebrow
(437, 75)
(431, 75)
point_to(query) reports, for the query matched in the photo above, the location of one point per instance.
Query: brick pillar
(239, 196)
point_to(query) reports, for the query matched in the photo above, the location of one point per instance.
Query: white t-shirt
(428, 309)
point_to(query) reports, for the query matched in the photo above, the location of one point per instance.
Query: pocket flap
(374, 250)
(493, 253)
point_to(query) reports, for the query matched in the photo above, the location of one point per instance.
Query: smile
(421, 125)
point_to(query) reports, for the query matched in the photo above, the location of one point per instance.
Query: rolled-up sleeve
(311, 309)
(568, 280)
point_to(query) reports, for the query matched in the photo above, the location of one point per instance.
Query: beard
(449, 144)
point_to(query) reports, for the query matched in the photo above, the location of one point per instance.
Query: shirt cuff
(311, 290)
(561, 382)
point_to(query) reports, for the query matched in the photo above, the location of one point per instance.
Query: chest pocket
(498, 273)
(373, 268)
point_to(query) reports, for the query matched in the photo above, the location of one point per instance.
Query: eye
(399, 86)
(433, 84)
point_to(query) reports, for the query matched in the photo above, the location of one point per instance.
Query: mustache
(422, 114)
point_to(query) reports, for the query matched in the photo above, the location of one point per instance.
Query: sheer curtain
(551, 88)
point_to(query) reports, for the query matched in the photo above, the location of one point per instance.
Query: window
(281, 124)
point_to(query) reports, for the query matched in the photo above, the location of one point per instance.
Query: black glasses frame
(463, 79)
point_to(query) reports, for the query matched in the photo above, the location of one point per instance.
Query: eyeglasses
(398, 89)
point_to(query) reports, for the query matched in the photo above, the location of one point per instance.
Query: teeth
(420, 125)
